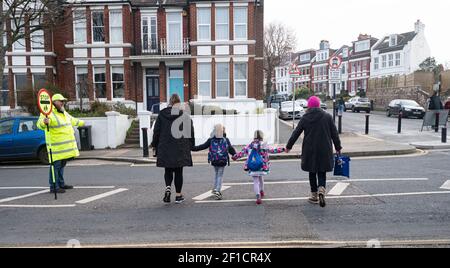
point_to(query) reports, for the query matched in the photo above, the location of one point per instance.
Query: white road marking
(446, 185)
(329, 181)
(100, 196)
(329, 197)
(339, 188)
(23, 196)
(208, 194)
(47, 187)
(37, 206)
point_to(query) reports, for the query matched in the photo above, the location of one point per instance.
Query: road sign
(44, 102)
(335, 62)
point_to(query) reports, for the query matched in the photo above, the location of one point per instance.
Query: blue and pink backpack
(218, 152)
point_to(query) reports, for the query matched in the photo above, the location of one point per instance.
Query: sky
(341, 21)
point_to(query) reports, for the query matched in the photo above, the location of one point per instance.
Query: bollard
(399, 128)
(444, 135)
(334, 111)
(367, 124)
(436, 127)
(145, 142)
(340, 124)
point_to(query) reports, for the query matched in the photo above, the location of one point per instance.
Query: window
(39, 81)
(149, 34)
(364, 66)
(37, 38)
(115, 24)
(362, 46)
(305, 57)
(174, 33)
(376, 63)
(204, 24)
(79, 27)
(4, 92)
(118, 84)
(27, 125)
(21, 89)
(391, 60)
(20, 43)
(222, 20)
(6, 127)
(82, 82)
(222, 82)
(100, 82)
(204, 79)
(397, 59)
(98, 27)
(240, 23)
(240, 80)
(384, 61)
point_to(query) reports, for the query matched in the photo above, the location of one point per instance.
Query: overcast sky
(340, 22)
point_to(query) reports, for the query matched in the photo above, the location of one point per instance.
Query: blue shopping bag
(342, 166)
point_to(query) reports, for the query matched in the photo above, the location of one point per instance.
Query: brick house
(29, 63)
(139, 52)
(359, 64)
(320, 68)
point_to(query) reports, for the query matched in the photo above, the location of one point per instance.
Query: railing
(165, 48)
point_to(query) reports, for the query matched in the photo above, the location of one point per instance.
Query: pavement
(355, 145)
(383, 140)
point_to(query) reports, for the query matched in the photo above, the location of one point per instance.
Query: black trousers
(177, 174)
(314, 177)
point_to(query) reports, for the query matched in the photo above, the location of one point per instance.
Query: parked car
(20, 139)
(409, 108)
(358, 104)
(275, 100)
(287, 110)
(303, 103)
(323, 105)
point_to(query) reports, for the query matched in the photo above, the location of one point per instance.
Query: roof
(402, 40)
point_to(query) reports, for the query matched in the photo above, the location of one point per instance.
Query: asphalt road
(387, 199)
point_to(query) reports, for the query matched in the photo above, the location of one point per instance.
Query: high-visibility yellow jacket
(61, 137)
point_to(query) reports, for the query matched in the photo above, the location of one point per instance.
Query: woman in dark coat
(317, 150)
(173, 139)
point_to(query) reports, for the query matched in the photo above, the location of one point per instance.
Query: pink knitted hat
(314, 102)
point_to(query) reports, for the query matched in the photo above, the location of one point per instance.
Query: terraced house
(139, 52)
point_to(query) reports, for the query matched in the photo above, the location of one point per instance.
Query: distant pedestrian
(447, 104)
(317, 152)
(435, 102)
(218, 156)
(258, 164)
(173, 144)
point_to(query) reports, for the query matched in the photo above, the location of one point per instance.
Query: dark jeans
(59, 174)
(314, 177)
(177, 174)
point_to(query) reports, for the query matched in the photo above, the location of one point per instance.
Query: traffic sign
(335, 62)
(44, 102)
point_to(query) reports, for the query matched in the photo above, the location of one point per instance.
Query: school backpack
(255, 161)
(218, 152)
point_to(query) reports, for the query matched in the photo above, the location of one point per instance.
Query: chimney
(363, 37)
(419, 27)
(324, 44)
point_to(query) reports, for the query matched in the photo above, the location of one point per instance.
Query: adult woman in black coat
(173, 139)
(317, 152)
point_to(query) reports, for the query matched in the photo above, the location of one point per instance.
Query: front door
(152, 84)
(176, 83)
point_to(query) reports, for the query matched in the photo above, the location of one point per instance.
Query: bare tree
(279, 41)
(22, 20)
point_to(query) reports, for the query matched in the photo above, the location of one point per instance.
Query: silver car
(287, 110)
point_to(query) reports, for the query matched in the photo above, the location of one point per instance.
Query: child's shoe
(262, 194)
(258, 200)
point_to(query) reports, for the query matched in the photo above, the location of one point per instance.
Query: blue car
(21, 139)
